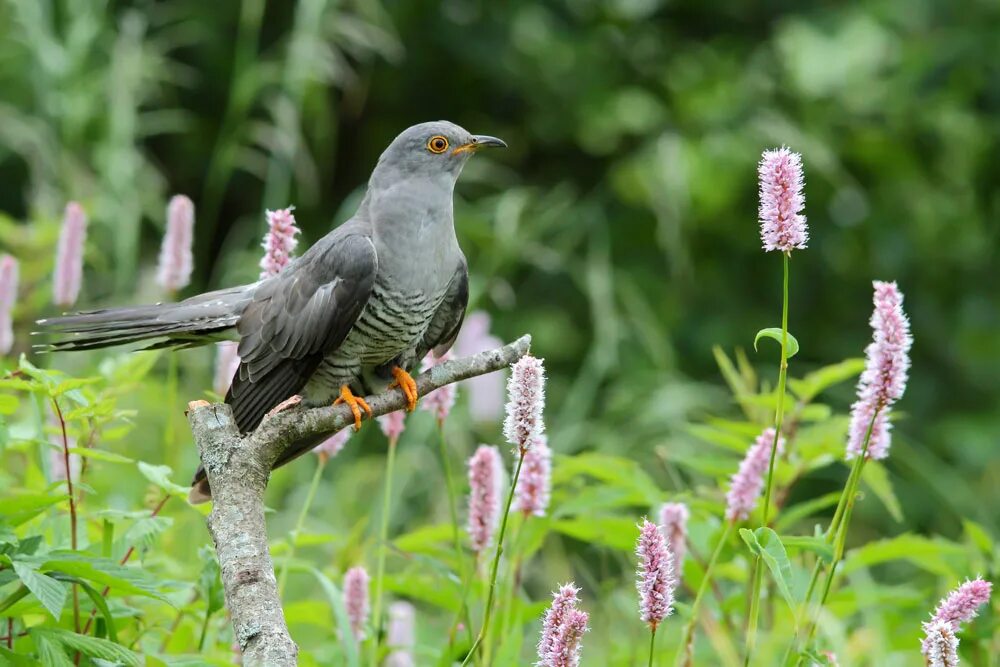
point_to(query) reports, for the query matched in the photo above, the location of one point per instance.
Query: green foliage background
(619, 229)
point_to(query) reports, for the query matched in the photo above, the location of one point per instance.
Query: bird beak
(479, 141)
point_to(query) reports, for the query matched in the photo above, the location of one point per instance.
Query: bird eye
(437, 144)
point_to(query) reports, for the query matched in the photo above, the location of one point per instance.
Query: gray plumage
(379, 291)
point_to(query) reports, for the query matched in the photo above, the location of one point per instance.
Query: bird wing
(295, 319)
(447, 321)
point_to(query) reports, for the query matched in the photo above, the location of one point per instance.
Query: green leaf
(792, 515)
(8, 404)
(160, 476)
(978, 535)
(102, 607)
(19, 509)
(50, 650)
(616, 471)
(774, 333)
(611, 531)
(808, 387)
(934, 556)
(336, 599)
(121, 579)
(90, 646)
(765, 543)
(48, 591)
(817, 545)
(874, 475)
(100, 455)
(10, 659)
(210, 581)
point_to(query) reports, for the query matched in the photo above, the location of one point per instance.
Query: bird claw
(356, 403)
(407, 384)
(284, 405)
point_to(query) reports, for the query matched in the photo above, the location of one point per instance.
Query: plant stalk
(487, 613)
(303, 513)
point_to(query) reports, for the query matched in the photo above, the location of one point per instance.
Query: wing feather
(295, 319)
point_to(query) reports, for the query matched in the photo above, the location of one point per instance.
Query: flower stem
(836, 535)
(652, 644)
(779, 414)
(303, 513)
(463, 609)
(72, 506)
(496, 563)
(383, 537)
(705, 580)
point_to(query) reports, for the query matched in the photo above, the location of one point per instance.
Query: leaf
(934, 556)
(48, 591)
(160, 476)
(100, 455)
(774, 333)
(91, 646)
(16, 659)
(874, 475)
(50, 650)
(611, 531)
(426, 539)
(765, 543)
(102, 607)
(817, 545)
(336, 599)
(210, 581)
(978, 536)
(122, 579)
(19, 509)
(808, 387)
(8, 404)
(614, 470)
(792, 515)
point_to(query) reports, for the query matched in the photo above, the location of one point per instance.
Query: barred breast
(393, 321)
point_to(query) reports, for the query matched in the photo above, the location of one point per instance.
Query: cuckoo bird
(354, 314)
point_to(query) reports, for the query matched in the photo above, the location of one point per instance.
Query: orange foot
(356, 403)
(284, 405)
(407, 384)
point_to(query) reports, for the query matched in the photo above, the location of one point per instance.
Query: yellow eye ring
(437, 144)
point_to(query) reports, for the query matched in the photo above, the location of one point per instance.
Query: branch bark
(238, 468)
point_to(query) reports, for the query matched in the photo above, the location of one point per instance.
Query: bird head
(433, 149)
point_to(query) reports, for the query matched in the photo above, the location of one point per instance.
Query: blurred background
(619, 228)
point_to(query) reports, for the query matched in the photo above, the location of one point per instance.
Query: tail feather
(195, 321)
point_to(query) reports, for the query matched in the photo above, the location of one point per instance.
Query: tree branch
(238, 468)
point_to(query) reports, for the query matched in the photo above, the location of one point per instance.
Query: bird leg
(284, 405)
(356, 403)
(409, 386)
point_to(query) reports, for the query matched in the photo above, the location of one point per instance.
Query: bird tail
(189, 323)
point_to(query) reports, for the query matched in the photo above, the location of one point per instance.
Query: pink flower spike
(531, 496)
(564, 601)
(673, 522)
(8, 299)
(227, 362)
(356, 600)
(884, 379)
(69, 256)
(401, 635)
(176, 259)
(940, 645)
(440, 401)
(485, 479)
(332, 445)
(963, 604)
(748, 481)
(279, 242)
(782, 226)
(655, 579)
(393, 424)
(565, 650)
(485, 392)
(525, 402)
